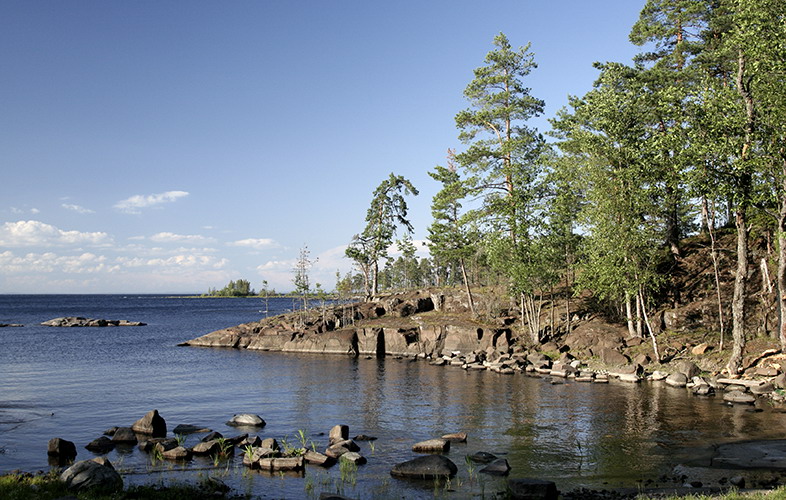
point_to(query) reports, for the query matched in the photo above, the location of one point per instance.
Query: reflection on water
(75, 383)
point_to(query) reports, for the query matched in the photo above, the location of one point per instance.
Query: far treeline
(689, 138)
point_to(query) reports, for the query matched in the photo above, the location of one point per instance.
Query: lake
(74, 383)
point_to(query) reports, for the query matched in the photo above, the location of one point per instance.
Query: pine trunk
(738, 300)
(780, 278)
(466, 287)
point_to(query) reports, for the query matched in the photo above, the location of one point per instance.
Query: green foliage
(239, 288)
(387, 212)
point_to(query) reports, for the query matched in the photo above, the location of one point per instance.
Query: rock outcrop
(75, 321)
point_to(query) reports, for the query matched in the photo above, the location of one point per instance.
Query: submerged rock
(532, 489)
(498, 467)
(739, 397)
(426, 467)
(482, 457)
(101, 445)
(190, 429)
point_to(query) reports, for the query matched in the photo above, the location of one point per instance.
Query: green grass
(776, 494)
(48, 487)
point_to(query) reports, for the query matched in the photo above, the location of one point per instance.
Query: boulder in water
(246, 419)
(152, 424)
(426, 467)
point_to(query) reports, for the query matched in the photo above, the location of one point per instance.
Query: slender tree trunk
(714, 255)
(375, 279)
(639, 329)
(629, 316)
(649, 326)
(780, 277)
(672, 220)
(740, 220)
(552, 311)
(567, 294)
(738, 300)
(467, 288)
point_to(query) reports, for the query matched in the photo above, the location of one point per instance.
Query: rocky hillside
(434, 323)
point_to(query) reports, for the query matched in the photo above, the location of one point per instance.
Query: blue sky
(171, 146)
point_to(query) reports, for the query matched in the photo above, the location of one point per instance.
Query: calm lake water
(74, 383)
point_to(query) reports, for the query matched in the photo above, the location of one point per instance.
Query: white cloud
(77, 208)
(49, 262)
(35, 233)
(255, 243)
(133, 204)
(166, 237)
(421, 249)
(20, 211)
(175, 262)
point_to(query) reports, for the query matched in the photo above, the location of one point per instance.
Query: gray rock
(764, 388)
(498, 467)
(612, 357)
(64, 450)
(482, 457)
(76, 321)
(177, 453)
(253, 441)
(363, 437)
(532, 489)
(101, 445)
(739, 397)
(152, 424)
(92, 475)
(124, 435)
(165, 444)
(677, 380)
(425, 467)
(456, 437)
(338, 433)
(432, 446)
(316, 458)
(284, 464)
(206, 447)
(190, 429)
(353, 457)
(258, 454)
(246, 419)
(687, 368)
(703, 390)
(212, 436)
(738, 481)
(269, 443)
(342, 447)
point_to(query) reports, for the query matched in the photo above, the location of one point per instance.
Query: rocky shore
(435, 326)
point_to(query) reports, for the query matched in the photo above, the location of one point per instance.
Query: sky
(172, 146)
